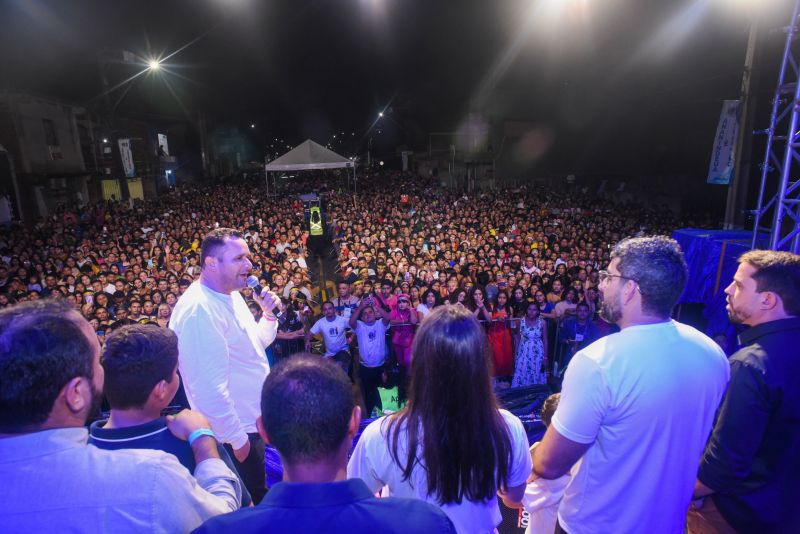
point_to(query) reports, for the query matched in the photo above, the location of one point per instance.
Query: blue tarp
(711, 256)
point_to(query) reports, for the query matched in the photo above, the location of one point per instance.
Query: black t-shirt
(289, 321)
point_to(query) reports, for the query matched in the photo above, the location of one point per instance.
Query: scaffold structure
(779, 191)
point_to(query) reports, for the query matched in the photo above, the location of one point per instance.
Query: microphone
(252, 283)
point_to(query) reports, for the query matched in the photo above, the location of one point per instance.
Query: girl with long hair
(518, 301)
(499, 334)
(450, 445)
(459, 296)
(429, 301)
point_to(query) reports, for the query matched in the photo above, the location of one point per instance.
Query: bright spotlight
(105, 139)
(252, 125)
(154, 64)
(381, 164)
(380, 114)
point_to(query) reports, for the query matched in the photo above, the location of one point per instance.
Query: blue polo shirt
(155, 435)
(346, 506)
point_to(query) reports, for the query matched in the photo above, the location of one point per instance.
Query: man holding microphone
(221, 347)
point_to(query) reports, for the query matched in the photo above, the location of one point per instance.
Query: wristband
(199, 433)
(269, 317)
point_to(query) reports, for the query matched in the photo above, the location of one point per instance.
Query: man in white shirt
(297, 255)
(52, 382)
(333, 328)
(222, 357)
(297, 284)
(345, 303)
(637, 405)
(371, 335)
(530, 267)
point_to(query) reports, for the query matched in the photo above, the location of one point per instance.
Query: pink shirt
(402, 335)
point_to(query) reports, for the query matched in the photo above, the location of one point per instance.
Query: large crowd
(526, 262)
(522, 260)
(446, 296)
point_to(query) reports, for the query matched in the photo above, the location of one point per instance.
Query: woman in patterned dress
(531, 358)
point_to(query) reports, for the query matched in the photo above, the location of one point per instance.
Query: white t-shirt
(423, 310)
(645, 399)
(541, 500)
(372, 462)
(222, 359)
(371, 342)
(333, 332)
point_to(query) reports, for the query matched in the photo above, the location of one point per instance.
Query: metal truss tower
(780, 170)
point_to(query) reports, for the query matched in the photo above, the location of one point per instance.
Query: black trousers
(559, 529)
(402, 384)
(252, 469)
(371, 378)
(345, 361)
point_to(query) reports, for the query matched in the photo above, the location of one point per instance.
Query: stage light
(380, 114)
(381, 164)
(154, 64)
(252, 125)
(105, 139)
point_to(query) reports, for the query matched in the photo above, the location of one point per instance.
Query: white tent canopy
(309, 155)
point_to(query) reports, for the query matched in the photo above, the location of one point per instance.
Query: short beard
(737, 316)
(611, 310)
(94, 408)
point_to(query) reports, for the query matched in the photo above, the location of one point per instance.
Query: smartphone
(89, 299)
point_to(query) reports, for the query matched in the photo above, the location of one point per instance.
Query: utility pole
(739, 186)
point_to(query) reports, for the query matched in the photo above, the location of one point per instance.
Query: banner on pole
(127, 157)
(163, 146)
(720, 171)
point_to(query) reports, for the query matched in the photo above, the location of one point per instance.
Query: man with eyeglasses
(637, 405)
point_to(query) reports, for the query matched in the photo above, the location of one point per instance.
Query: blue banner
(720, 171)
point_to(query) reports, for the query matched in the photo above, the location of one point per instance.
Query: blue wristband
(198, 433)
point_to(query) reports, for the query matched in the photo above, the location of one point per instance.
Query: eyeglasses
(602, 276)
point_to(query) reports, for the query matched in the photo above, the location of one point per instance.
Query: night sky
(622, 85)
